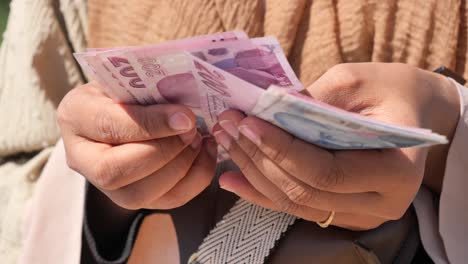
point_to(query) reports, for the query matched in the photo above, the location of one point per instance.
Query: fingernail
(196, 141)
(248, 133)
(230, 127)
(212, 148)
(188, 137)
(180, 121)
(223, 139)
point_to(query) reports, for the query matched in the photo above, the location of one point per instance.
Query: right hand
(139, 156)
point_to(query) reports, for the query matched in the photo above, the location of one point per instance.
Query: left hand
(364, 187)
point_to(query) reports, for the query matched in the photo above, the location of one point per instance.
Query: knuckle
(176, 200)
(334, 177)
(254, 153)
(280, 155)
(298, 194)
(106, 174)
(284, 204)
(243, 165)
(344, 75)
(130, 197)
(68, 102)
(63, 112)
(105, 127)
(138, 198)
(162, 151)
(129, 202)
(71, 163)
(72, 156)
(146, 123)
(396, 214)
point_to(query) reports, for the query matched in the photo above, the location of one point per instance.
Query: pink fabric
(53, 234)
(453, 210)
(53, 231)
(445, 238)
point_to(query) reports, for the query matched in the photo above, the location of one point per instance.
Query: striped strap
(246, 234)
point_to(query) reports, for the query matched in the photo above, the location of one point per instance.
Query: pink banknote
(111, 68)
(212, 73)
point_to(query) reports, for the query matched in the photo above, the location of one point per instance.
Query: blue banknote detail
(330, 137)
(317, 133)
(401, 142)
(201, 125)
(226, 64)
(331, 129)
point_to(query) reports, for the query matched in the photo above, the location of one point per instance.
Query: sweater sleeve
(36, 70)
(453, 205)
(445, 234)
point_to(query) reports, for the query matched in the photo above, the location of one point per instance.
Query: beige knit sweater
(36, 70)
(315, 34)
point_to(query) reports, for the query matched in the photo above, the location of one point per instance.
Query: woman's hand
(139, 156)
(364, 187)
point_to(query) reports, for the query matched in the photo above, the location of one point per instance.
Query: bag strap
(246, 234)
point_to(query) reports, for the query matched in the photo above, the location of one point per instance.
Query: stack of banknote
(212, 73)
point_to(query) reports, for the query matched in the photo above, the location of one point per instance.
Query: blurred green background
(4, 9)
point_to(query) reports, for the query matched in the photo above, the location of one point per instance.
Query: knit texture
(36, 70)
(315, 34)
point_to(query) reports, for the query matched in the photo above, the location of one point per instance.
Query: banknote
(333, 128)
(212, 73)
(110, 67)
(167, 73)
(163, 75)
(94, 68)
(259, 61)
(312, 121)
(169, 78)
(219, 90)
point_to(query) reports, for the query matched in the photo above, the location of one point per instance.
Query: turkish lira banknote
(212, 73)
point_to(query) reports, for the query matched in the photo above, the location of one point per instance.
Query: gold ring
(327, 222)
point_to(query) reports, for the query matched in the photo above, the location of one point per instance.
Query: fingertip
(230, 127)
(180, 118)
(217, 127)
(223, 138)
(252, 121)
(211, 148)
(190, 114)
(188, 137)
(180, 121)
(231, 114)
(186, 110)
(251, 135)
(197, 140)
(233, 181)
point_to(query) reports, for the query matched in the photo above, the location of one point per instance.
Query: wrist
(445, 106)
(445, 112)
